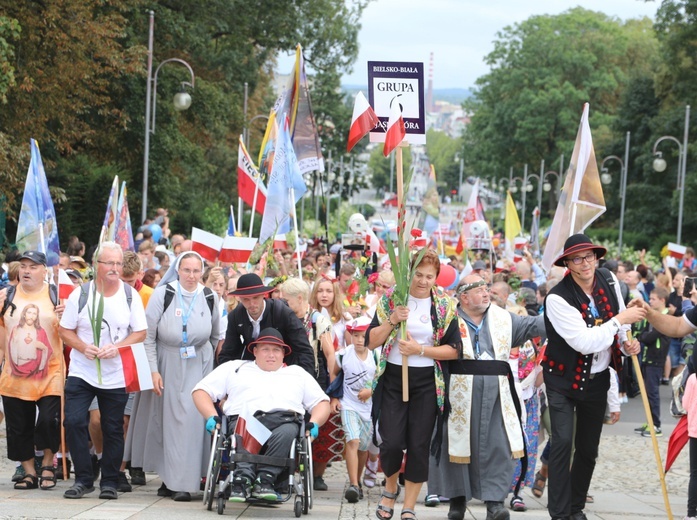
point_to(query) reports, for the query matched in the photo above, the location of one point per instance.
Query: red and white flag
(676, 251)
(374, 244)
(280, 242)
(395, 128)
(475, 237)
(364, 120)
(254, 434)
(300, 250)
(247, 179)
(206, 244)
(237, 249)
(136, 369)
(65, 285)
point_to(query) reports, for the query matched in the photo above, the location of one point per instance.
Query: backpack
(11, 291)
(169, 296)
(678, 390)
(85, 291)
(336, 387)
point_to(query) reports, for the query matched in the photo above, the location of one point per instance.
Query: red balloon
(447, 276)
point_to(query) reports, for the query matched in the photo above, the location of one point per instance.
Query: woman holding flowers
(416, 323)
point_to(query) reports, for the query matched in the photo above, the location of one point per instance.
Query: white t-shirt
(357, 375)
(117, 323)
(245, 384)
(420, 327)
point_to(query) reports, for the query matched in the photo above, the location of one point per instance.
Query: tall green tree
(528, 106)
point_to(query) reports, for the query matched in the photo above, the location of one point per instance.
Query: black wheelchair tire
(298, 507)
(214, 471)
(221, 505)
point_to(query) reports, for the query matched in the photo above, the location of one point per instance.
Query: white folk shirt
(247, 385)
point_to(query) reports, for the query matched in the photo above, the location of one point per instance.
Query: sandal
(410, 512)
(389, 511)
(77, 490)
(518, 505)
(28, 482)
(50, 480)
(538, 487)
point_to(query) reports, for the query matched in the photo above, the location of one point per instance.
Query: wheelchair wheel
(213, 471)
(307, 475)
(298, 507)
(221, 505)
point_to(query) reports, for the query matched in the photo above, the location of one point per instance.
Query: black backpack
(12, 290)
(85, 291)
(169, 296)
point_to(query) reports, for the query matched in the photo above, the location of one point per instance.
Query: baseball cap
(35, 256)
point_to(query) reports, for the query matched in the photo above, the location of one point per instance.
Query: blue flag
(285, 178)
(37, 229)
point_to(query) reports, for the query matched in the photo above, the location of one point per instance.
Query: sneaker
(431, 500)
(137, 476)
(241, 489)
(263, 490)
(352, 494)
(19, 474)
(496, 511)
(360, 491)
(641, 429)
(319, 484)
(647, 432)
(122, 484)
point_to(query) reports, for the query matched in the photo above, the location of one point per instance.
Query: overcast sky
(459, 32)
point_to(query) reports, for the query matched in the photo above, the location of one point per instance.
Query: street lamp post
(503, 194)
(182, 101)
(459, 159)
(659, 164)
(606, 178)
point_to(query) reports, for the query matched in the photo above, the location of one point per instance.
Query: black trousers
(25, 430)
(568, 489)
(407, 426)
(652, 379)
(692, 486)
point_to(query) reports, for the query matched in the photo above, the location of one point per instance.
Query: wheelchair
(298, 467)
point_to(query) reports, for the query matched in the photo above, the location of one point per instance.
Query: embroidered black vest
(565, 369)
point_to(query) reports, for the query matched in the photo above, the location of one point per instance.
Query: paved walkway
(625, 486)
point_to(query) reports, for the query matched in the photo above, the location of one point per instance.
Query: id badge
(190, 352)
(485, 356)
(178, 313)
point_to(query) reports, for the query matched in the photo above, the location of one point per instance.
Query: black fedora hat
(250, 285)
(576, 243)
(270, 336)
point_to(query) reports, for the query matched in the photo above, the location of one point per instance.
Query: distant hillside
(451, 95)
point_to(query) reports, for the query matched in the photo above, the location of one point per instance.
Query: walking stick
(654, 440)
(402, 205)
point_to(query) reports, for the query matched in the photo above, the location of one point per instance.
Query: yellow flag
(512, 224)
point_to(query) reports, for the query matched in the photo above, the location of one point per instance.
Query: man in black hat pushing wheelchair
(277, 396)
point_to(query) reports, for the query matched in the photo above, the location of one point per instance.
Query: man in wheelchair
(277, 394)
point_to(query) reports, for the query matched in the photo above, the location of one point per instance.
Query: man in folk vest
(586, 322)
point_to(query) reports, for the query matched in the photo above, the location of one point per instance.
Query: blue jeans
(112, 402)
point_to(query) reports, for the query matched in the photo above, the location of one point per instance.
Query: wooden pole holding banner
(297, 235)
(402, 207)
(654, 440)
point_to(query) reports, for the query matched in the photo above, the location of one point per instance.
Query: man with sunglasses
(587, 324)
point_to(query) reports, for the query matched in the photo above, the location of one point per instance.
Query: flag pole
(654, 440)
(63, 451)
(239, 214)
(400, 204)
(254, 203)
(232, 216)
(297, 237)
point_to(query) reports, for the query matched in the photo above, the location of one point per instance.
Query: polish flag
(206, 244)
(395, 128)
(247, 179)
(237, 249)
(280, 242)
(301, 249)
(364, 120)
(65, 285)
(676, 251)
(136, 369)
(254, 434)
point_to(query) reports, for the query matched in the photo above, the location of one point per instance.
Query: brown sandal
(28, 482)
(538, 487)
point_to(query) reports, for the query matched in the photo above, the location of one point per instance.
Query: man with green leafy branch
(98, 319)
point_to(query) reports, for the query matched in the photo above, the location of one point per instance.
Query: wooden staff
(402, 207)
(62, 416)
(654, 440)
